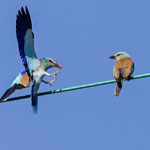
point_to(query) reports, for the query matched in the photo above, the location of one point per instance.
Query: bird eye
(50, 61)
(118, 55)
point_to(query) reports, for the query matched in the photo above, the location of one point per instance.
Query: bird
(20, 82)
(35, 68)
(123, 69)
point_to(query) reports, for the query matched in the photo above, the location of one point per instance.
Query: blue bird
(21, 81)
(35, 69)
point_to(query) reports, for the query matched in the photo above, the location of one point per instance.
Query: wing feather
(26, 40)
(21, 81)
(10, 91)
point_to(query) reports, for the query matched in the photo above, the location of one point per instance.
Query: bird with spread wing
(35, 69)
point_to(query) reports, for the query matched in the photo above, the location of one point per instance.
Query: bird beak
(59, 66)
(112, 57)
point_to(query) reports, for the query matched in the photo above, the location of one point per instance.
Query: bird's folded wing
(25, 39)
(10, 91)
(21, 81)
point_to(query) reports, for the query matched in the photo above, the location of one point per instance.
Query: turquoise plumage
(21, 81)
(35, 68)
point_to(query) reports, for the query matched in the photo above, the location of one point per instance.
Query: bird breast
(38, 74)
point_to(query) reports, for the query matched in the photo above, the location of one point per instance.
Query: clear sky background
(80, 35)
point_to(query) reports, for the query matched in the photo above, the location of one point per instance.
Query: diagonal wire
(75, 88)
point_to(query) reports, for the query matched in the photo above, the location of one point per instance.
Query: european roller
(123, 69)
(35, 69)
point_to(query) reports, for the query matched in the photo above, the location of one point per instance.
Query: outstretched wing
(25, 39)
(22, 81)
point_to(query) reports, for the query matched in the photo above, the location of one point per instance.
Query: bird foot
(52, 81)
(54, 74)
(129, 78)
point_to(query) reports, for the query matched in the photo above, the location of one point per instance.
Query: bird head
(50, 63)
(119, 55)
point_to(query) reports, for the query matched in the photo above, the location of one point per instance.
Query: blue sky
(80, 35)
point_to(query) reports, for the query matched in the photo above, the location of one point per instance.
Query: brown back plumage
(122, 70)
(126, 63)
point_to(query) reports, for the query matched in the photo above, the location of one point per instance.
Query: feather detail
(23, 23)
(34, 97)
(17, 84)
(118, 88)
(119, 82)
(10, 91)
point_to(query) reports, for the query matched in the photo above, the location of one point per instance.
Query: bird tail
(34, 98)
(119, 82)
(118, 87)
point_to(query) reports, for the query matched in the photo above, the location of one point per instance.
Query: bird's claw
(129, 78)
(52, 81)
(54, 74)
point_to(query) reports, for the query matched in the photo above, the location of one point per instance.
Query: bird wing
(22, 81)
(25, 39)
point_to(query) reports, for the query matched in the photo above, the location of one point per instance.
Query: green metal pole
(75, 88)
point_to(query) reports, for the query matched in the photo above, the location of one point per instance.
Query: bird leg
(53, 74)
(50, 82)
(45, 82)
(129, 78)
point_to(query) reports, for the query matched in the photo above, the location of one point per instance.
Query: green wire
(75, 88)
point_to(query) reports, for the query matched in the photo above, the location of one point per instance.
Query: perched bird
(35, 69)
(123, 69)
(21, 81)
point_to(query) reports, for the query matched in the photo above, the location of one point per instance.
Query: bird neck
(120, 57)
(45, 64)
